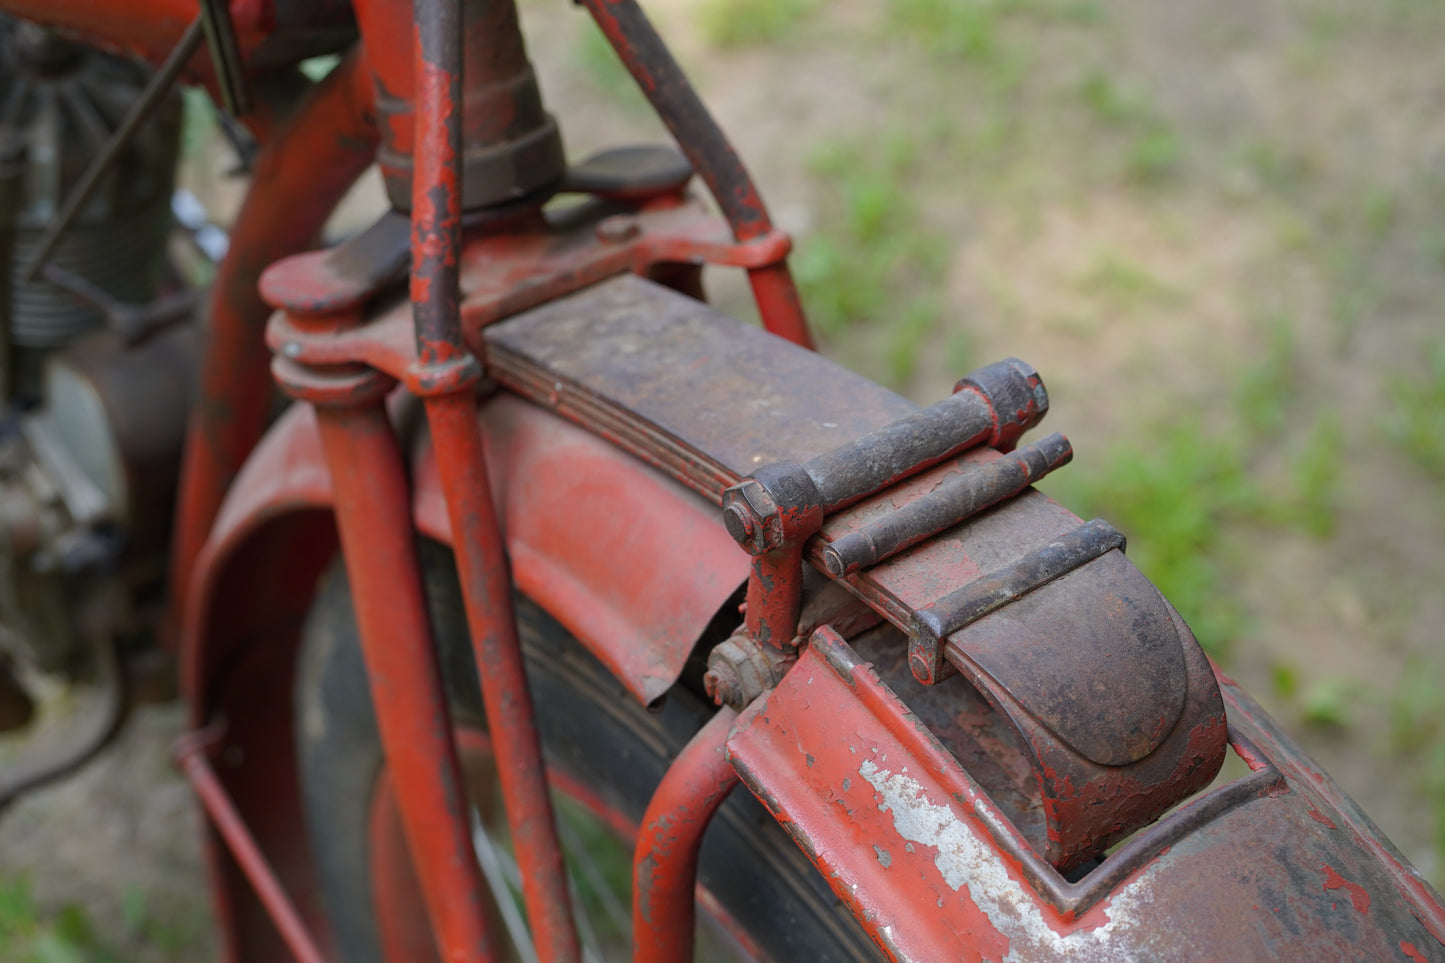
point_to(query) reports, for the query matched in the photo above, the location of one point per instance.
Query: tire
(595, 736)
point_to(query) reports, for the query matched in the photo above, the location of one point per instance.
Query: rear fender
(632, 563)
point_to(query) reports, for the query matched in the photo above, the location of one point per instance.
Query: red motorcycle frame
(928, 862)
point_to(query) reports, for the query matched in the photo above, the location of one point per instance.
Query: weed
(1284, 680)
(1417, 416)
(1124, 285)
(1264, 389)
(1327, 704)
(1315, 478)
(1417, 716)
(742, 23)
(1153, 156)
(872, 260)
(28, 938)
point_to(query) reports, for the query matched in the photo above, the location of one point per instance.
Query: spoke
(617, 913)
(591, 945)
(491, 865)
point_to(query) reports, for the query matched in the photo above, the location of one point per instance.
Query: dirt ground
(1212, 226)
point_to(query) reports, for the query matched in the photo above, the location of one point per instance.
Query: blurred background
(1214, 227)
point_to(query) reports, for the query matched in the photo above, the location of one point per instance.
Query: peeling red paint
(1358, 897)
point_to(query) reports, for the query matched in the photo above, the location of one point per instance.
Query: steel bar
(150, 98)
(225, 56)
(958, 498)
(672, 95)
(373, 517)
(664, 865)
(487, 595)
(190, 756)
(476, 536)
(982, 412)
(976, 599)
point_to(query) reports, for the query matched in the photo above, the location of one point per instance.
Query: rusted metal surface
(681, 385)
(664, 863)
(936, 621)
(1107, 764)
(190, 755)
(507, 268)
(451, 408)
(783, 502)
(510, 146)
(282, 213)
(898, 826)
(958, 499)
(629, 561)
(378, 542)
(1108, 757)
(709, 152)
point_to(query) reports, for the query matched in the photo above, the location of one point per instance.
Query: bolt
(922, 671)
(739, 523)
(721, 683)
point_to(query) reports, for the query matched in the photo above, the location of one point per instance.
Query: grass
(1416, 421)
(28, 937)
(603, 69)
(873, 259)
(747, 23)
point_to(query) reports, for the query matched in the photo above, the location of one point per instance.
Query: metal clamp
(773, 511)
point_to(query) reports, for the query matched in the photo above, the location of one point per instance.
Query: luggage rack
(924, 515)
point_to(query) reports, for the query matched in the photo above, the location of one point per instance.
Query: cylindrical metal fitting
(960, 497)
(992, 406)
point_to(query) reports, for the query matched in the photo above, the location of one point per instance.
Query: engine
(97, 353)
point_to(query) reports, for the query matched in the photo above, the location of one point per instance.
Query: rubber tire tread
(590, 726)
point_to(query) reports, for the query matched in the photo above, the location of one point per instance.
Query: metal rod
(959, 497)
(487, 595)
(150, 98)
(436, 199)
(436, 207)
(232, 828)
(664, 865)
(378, 543)
(709, 151)
(997, 589)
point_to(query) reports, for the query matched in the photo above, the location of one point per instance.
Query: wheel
(605, 756)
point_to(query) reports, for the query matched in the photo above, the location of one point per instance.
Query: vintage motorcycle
(460, 629)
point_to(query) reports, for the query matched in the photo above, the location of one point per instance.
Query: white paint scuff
(964, 859)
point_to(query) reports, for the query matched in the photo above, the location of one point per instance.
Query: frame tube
(664, 865)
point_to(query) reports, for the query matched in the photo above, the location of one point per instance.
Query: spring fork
(452, 373)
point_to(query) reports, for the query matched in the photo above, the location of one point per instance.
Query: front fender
(631, 562)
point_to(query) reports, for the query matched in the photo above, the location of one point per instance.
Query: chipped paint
(971, 866)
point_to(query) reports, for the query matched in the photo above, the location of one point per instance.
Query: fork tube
(708, 150)
(373, 516)
(476, 537)
(664, 865)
